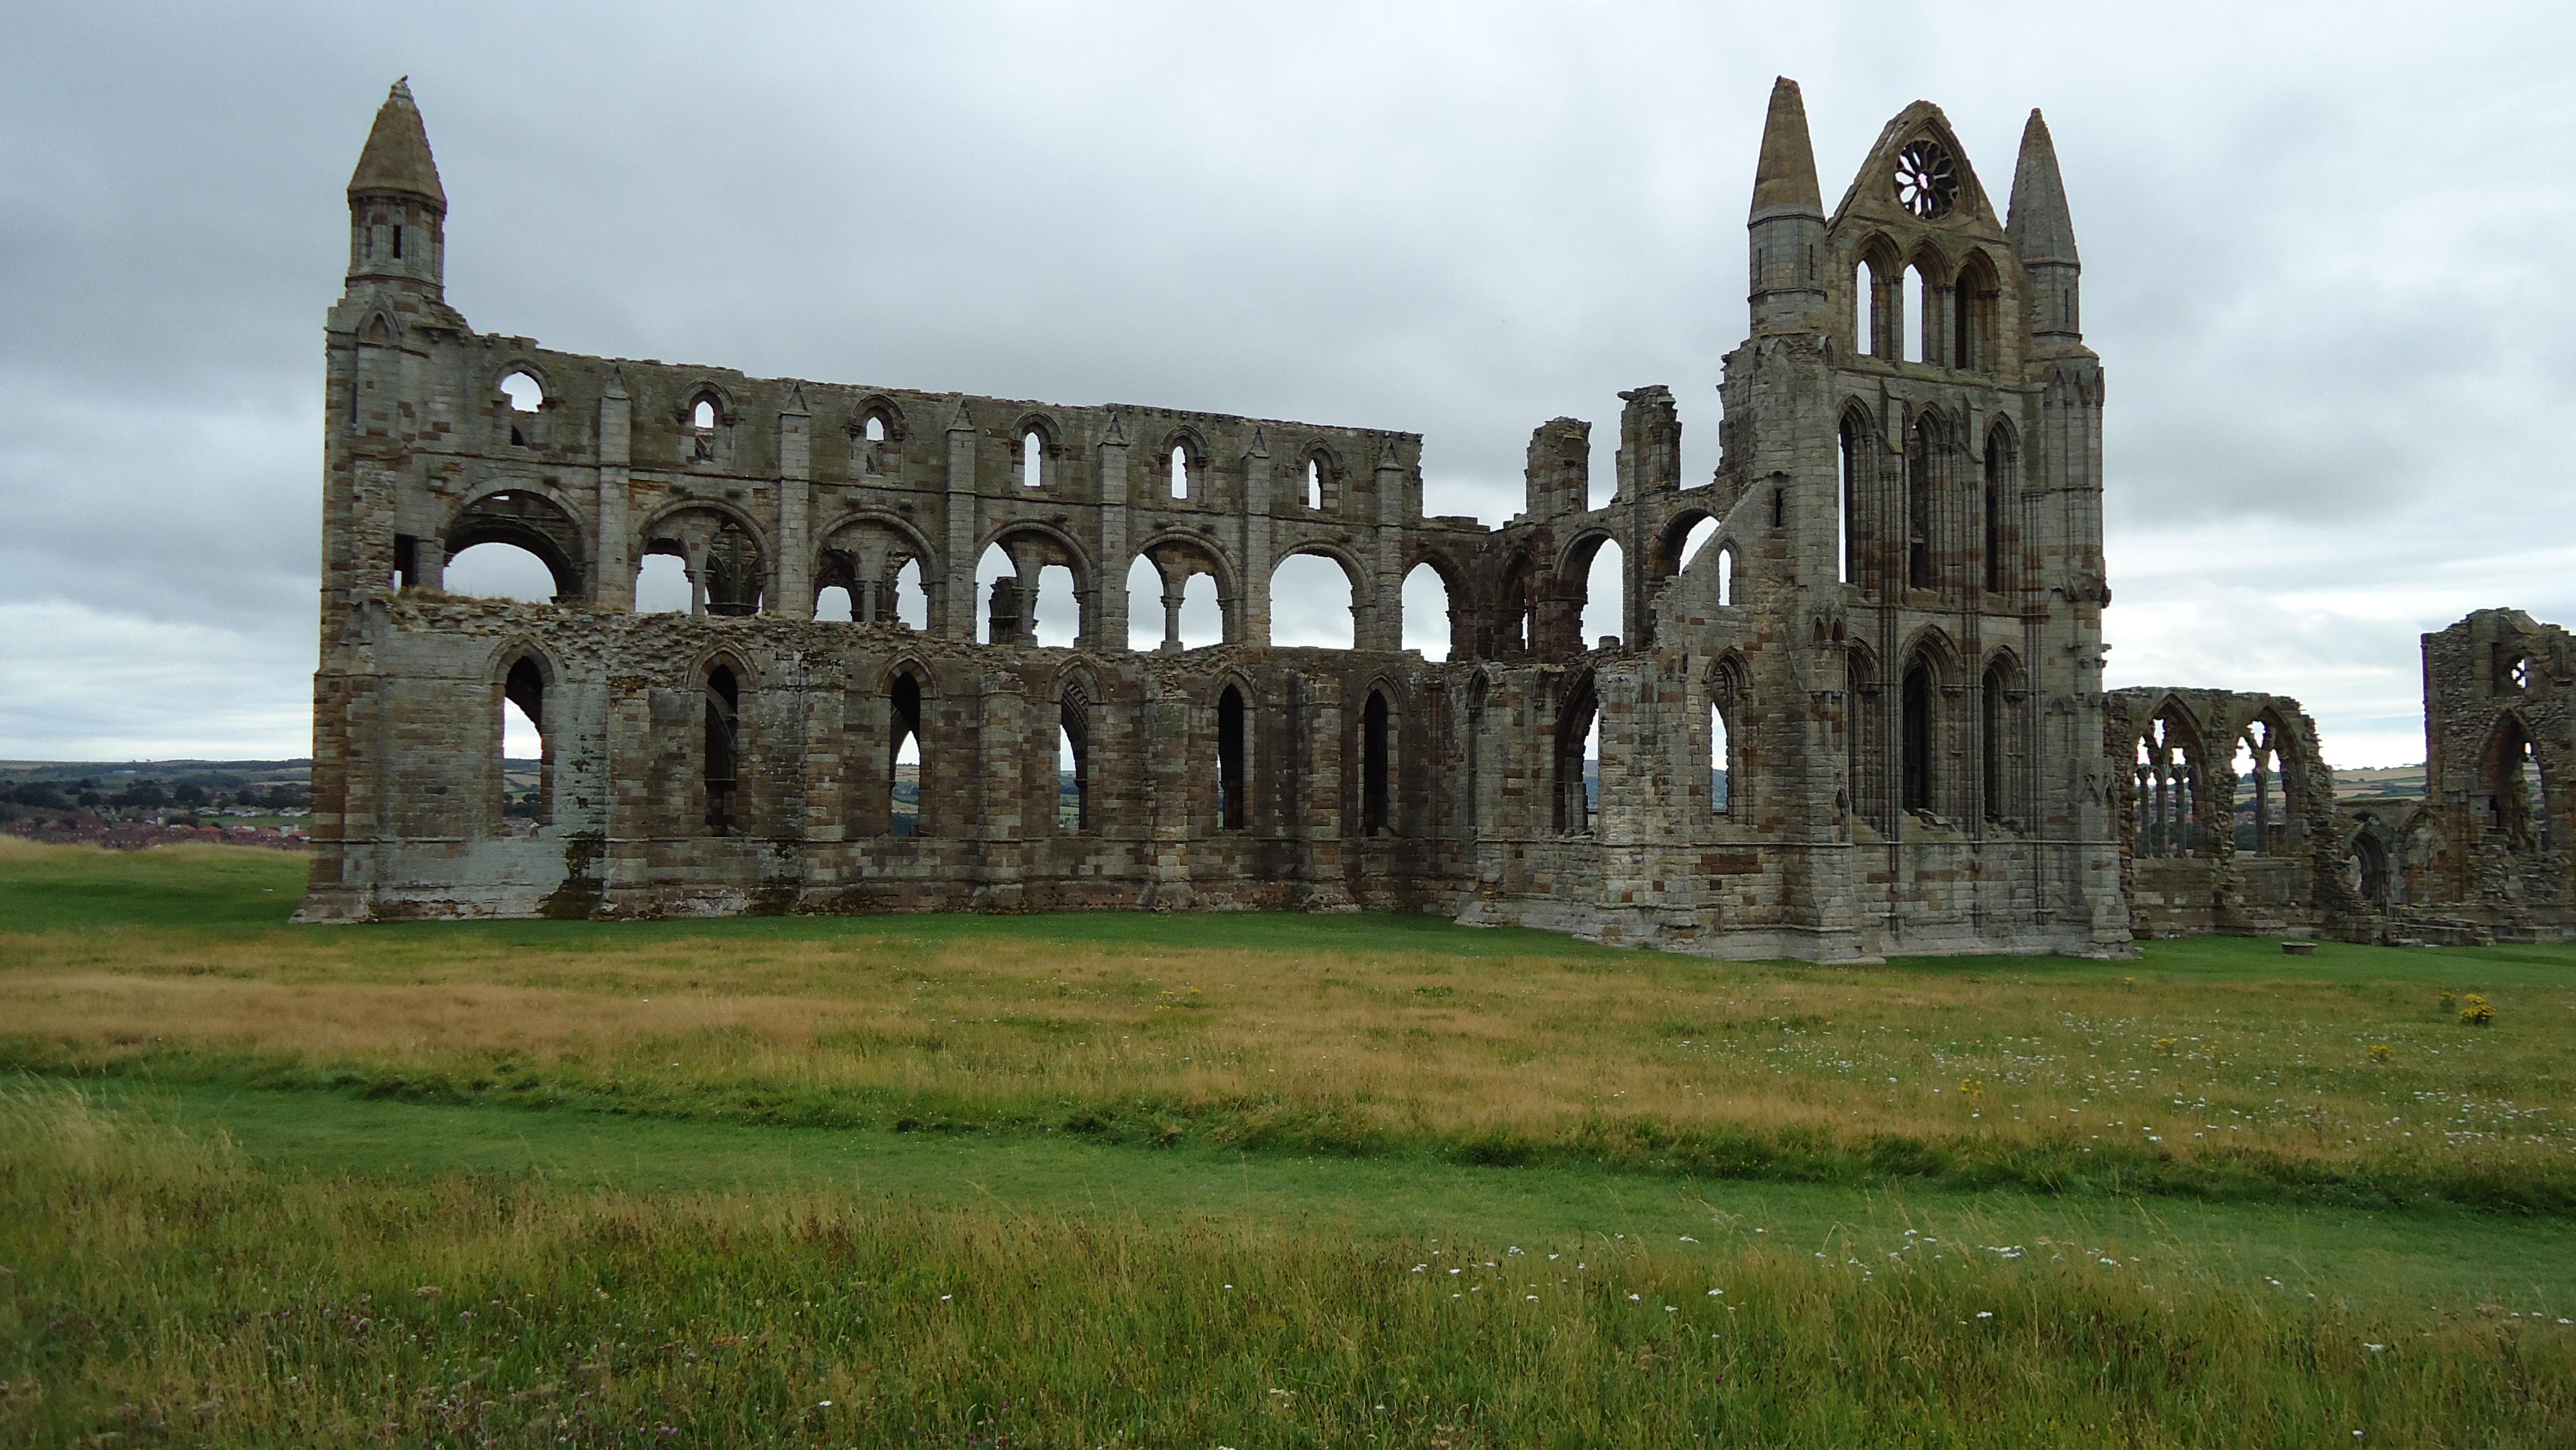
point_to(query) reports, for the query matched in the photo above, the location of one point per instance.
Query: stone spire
(1787, 228)
(1785, 178)
(2041, 231)
(2043, 237)
(397, 158)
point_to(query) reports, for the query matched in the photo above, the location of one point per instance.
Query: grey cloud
(2318, 250)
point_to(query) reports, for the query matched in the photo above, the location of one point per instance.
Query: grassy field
(685, 1182)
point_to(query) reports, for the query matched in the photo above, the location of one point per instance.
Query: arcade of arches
(788, 645)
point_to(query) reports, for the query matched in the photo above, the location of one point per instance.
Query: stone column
(1104, 622)
(952, 608)
(1381, 625)
(1249, 612)
(613, 576)
(794, 566)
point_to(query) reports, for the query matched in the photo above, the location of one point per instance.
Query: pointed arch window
(1578, 728)
(1919, 475)
(722, 758)
(905, 775)
(1726, 696)
(1376, 786)
(1850, 458)
(2003, 740)
(1033, 459)
(1919, 726)
(2517, 788)
(2262, 795)
(526, 807)
(1073, 760)
(2000, 490)
(1230, 726)
(2167, 790)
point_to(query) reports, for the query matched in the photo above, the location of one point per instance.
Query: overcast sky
(2325, 266)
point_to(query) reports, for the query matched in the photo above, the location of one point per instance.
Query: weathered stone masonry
(1865, 717)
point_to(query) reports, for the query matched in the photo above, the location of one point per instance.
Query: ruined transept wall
(1866, 716)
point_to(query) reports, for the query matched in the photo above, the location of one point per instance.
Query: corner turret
(397, 209)
(2043, 237)
(1787, 223)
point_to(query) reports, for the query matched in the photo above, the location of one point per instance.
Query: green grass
(2436, 1256)
(1175, 1174)
(161, 1288)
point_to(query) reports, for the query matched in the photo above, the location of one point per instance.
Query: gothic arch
(885, 410)
(527, 516)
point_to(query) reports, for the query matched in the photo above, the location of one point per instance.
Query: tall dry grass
(2224, 1086)
(155, 1288)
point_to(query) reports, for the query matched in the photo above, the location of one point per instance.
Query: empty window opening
(1914, 321)
(398, 241)
(2166, 791)
(1311, 604)
(1779, 507)
(527, 764)
(1202, 613)
(1725, 578)
(1846, 502)
(1578, 755)
(832, 605)
(1430, 625)
(2517, 674)
(1721, 760)
(523, 392)
(1692, 542)
(997, 584)
(703, 416)
(1866, 323)
(911, 596)
(1229, 760)
(662, 585)
(903, 758)
(1513, 626)
(1144, 605)
(733, 572)
(2262, 822)
(1592, 770)
(500, 571)
(2517, 788)
(1605, 591)
(1180, 471)
(1072, 765)
(1376, 817)
(875, 431)
(1963, 324)
(2366, 869)
(1033, 460)
(1314, 484)
(1601, 470)
(723, 751)
(1058, 609)
(1918, 737)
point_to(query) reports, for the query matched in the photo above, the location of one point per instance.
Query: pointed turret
(1785, 178)
(397, 157)
(397, 209)
(2043, 236)
(1787, 222)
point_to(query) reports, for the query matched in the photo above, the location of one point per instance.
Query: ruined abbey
(1864, 716)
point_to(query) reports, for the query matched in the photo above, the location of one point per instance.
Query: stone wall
(1888, 650)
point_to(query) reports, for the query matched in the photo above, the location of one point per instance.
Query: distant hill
(2379, 782)
(228, 774)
